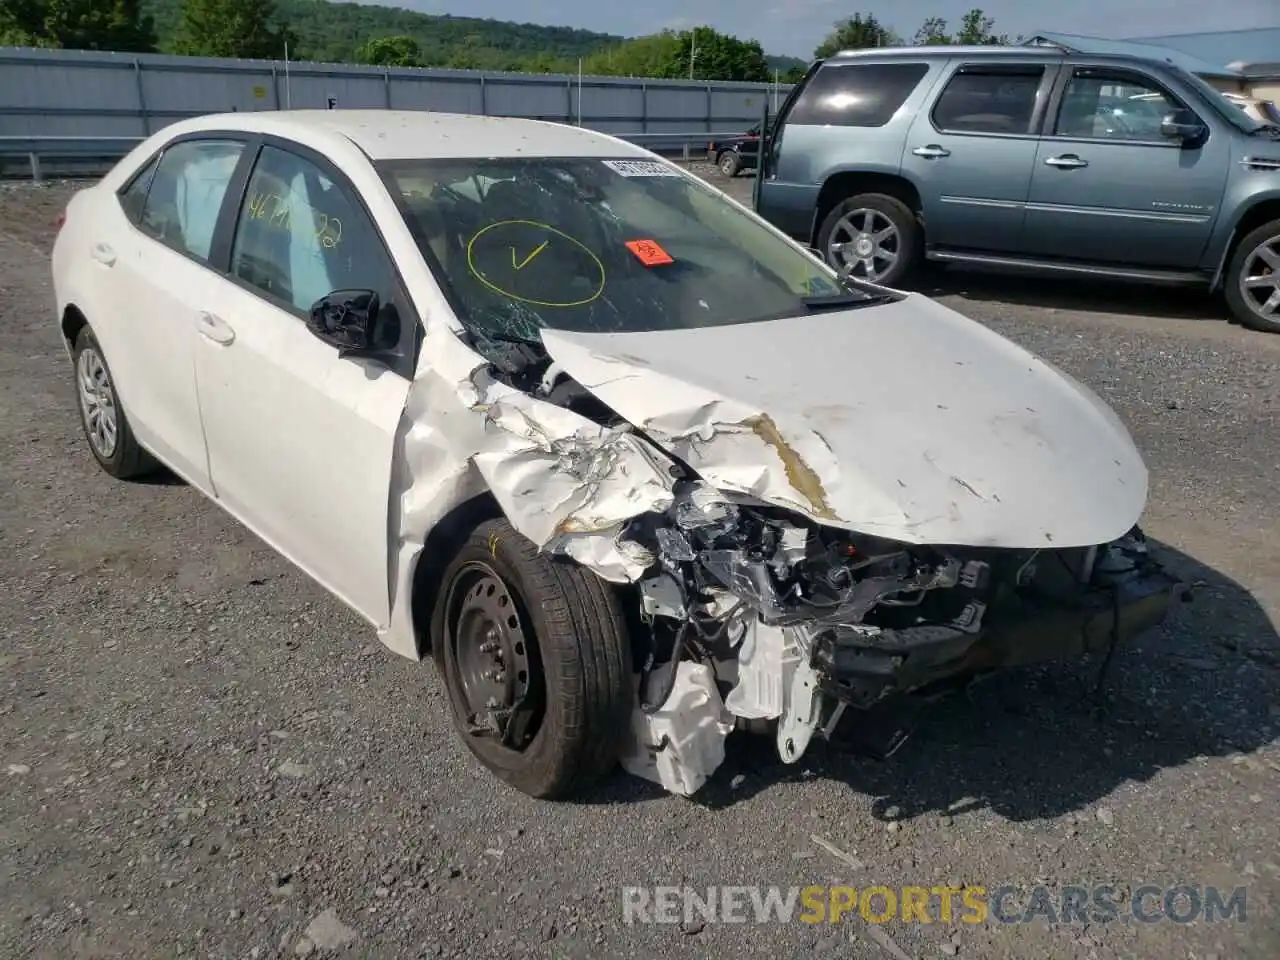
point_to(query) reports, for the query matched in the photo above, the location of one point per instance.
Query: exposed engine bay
(752, 616)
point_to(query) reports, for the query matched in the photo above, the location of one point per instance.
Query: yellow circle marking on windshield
(475, 272)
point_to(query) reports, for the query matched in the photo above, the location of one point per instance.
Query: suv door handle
(103, 254)
(214, 328)
(931, 152)
(1068, 161)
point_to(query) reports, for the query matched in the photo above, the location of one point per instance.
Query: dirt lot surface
(202, 754)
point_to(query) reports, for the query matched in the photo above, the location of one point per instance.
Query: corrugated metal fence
(92, 94)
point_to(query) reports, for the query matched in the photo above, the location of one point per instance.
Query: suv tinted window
(989, 100)
(1111, 105)
(186, 192)
(300, 236)
(856, 95)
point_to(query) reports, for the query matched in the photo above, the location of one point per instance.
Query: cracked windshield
(596, 245)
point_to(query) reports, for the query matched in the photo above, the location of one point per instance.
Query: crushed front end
(758, 617)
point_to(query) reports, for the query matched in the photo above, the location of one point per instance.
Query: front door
(1109, 188)
(971, 155)
(300, 441)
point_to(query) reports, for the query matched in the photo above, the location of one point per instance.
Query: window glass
(186, 192)
(301, 237)
(599, 246)
(856, 95)
(1113, 106)
(989, 100)
(134, 198)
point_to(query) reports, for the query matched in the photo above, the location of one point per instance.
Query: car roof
(421, 134)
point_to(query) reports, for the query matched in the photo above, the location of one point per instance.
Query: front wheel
(1252, 285)
(730, 163)
(872, 235)
(536, 662)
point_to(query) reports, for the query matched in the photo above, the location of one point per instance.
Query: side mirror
(356, 322)
(1182, 125)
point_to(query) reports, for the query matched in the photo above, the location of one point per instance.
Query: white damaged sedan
(637, 469)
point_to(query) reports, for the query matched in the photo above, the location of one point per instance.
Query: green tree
(794, 75)
(77, 24)
(390, 52)
(976, 29)
(232, 28)
(859, 32)
(716, 56)
(932, 33)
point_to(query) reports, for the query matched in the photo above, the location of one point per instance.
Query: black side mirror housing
(356, 322)
(1182, 125)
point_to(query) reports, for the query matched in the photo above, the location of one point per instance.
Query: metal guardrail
(111, 149)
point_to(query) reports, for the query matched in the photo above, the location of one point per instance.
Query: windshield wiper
(835, 301)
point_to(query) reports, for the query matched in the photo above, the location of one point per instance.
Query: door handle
(215, 328)
(103, 254)
(1068, 161)
(931, 152)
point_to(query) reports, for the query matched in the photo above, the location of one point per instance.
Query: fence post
(644, 107)
(484, 97)
(142, 97)
(386, 85)
(34, 158)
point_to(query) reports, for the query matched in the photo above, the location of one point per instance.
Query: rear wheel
(535, 658)
(111, 440)
(874, 236)
(1252, 286)
(730, 163)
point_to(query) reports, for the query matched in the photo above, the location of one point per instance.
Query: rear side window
(134, 197)
(989, 100)
(185, 197)
(856, 95)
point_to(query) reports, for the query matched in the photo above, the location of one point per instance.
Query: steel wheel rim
(1260, 279)
(866, 243)
(727, 163)
(492, 658)
(97, 403)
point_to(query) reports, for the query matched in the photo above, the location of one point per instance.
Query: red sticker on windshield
(649, 253)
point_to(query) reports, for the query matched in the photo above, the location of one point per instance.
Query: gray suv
(1032, 158)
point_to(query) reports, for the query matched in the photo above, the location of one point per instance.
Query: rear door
(159, 273)
(300, 440)
(1108, 187)
(971, 154)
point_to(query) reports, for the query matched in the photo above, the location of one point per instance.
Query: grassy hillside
(331, 32)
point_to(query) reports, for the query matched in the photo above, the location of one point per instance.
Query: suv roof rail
(1046, 44)
(943, 50)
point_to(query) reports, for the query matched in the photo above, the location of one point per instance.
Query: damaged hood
(904, 420)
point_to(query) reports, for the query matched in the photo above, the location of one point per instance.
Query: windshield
(596, 245)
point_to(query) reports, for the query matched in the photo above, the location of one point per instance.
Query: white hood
(906, 420)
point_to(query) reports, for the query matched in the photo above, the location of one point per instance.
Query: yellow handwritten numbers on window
(292, 238)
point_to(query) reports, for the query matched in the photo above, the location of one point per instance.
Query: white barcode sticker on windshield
(640, 168)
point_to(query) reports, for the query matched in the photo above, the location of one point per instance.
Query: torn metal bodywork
(814, 514)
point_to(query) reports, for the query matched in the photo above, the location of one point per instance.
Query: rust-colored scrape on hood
(800, 475)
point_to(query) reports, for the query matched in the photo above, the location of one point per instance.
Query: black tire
(126, 458)
(730, 163)
(1243, 305)
(577, 653)
(908, 246)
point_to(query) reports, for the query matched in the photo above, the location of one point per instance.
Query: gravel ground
(205, 755)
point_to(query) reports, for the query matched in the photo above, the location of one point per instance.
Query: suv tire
(730, 163)
(884, 223)
(520, 637)
(1249, 260)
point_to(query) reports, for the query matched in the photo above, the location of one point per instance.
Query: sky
(795, 27)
